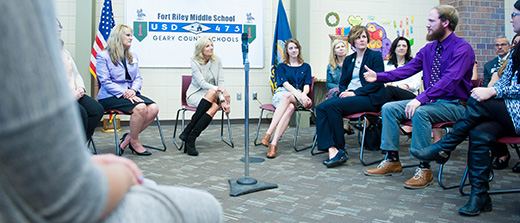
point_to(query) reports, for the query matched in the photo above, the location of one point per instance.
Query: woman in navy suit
(356, 95)
(120, 85)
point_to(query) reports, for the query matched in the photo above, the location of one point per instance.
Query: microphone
(245, 46)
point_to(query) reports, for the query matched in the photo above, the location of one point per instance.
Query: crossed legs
(280, 120)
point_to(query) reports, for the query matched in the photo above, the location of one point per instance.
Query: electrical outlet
(239, 96)
(255, 96)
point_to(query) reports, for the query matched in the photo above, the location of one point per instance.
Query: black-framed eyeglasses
(514, 14)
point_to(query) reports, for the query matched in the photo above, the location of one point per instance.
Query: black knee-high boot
(204, 105)
(479, 164)
(202, 124)
(440, 151)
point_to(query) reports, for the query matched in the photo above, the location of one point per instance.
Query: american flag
(106, 24)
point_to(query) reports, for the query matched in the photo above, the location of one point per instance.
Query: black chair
(513, 141)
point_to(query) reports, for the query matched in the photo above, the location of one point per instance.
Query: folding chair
(513, 141)
(446, 126)
(362, 120)
(271, 108)
(113, 113)
(186, 81)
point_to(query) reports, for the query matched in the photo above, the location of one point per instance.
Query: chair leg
(162, 138)
(439, 179)
(296, 134)
(504, 191)
(492, 175)
(91, 141)
(118, 147)
(362, 149)
(230, 143)
(258, 128)
(175, 129)
(314, 146)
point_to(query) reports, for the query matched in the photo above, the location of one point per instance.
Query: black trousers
(397, 94)
(91, 113)
(500, 126)
(329, 118)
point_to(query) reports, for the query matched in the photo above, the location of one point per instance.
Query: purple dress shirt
(457, 62)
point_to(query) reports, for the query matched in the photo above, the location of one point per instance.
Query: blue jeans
(394, 113)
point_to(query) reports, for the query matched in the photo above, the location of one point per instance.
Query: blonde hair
(286, 52)
(333, 59)
(199, 47)
(115, 44)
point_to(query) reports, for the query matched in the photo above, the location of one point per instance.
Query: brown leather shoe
(272, 151)
(422, 178)
(266, 139)
(386, 168)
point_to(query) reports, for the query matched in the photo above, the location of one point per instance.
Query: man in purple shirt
(447, 64)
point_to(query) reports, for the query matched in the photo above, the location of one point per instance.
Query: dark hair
(514, 37)
(517, 5)
(393, 57)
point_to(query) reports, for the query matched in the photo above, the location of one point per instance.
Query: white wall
(163, 84)
(382, 11)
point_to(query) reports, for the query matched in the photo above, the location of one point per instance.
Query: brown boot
(266, 139)
(423, 177)
(272, 151)
(385, 168)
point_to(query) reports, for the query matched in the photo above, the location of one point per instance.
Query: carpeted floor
(308, 191)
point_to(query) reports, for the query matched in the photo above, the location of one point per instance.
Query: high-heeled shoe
(121, 142)
(145, 153)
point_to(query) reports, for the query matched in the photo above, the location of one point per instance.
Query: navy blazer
(487, 71)
(375, 90)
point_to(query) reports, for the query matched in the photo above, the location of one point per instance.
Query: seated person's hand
(227, 97)
(111, 159)
(134, 99)
(411, 107)
(483, 93)
(404, 86)
(129, 93)
(306, 101)
(80, 93)
(347, 94)
(225, 107)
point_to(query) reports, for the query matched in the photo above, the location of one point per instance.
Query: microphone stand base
(248, 185)
(253, 159)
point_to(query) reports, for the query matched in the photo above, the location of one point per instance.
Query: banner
(165, 31)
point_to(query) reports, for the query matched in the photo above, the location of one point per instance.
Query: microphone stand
(247, 184)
